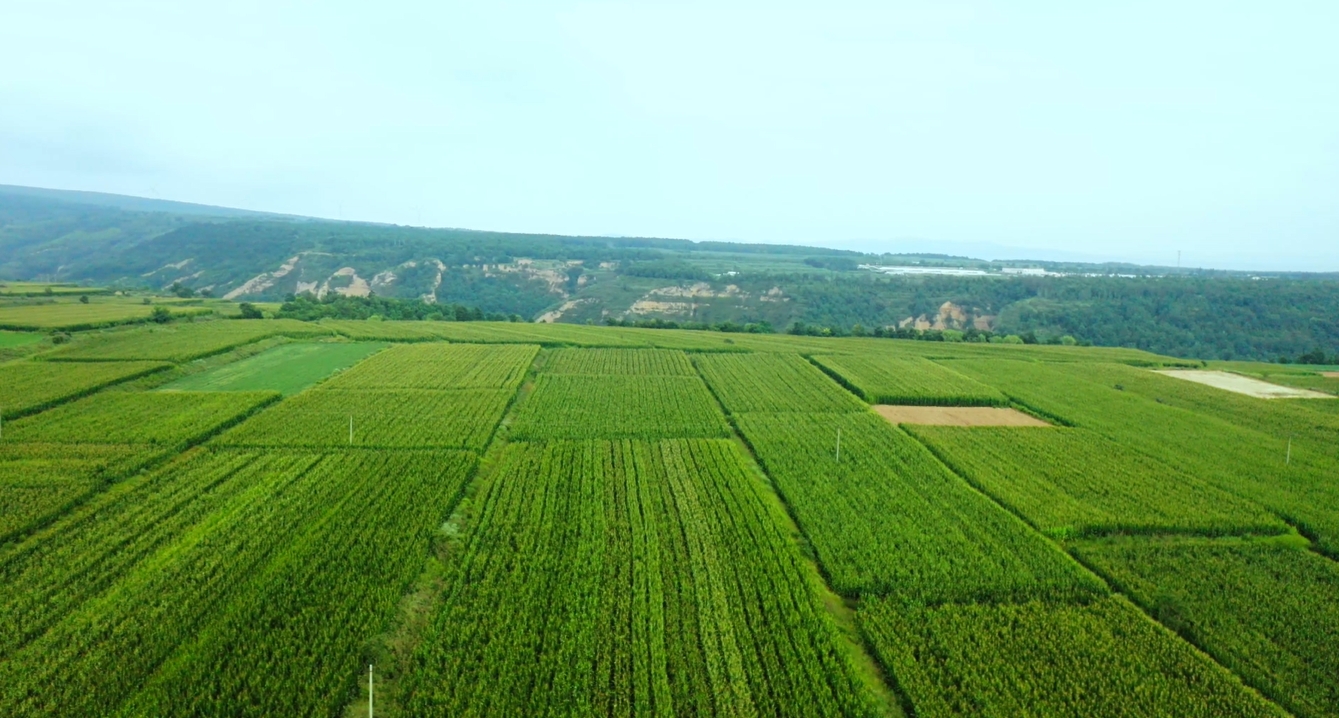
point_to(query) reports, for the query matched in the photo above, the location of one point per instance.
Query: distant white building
(1029, 271)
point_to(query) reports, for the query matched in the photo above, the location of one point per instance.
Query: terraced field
(237, 517)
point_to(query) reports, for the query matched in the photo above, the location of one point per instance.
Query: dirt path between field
(957, 416)
(1243, 384)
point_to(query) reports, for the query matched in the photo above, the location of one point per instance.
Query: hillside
(129, 243)
(210, 516)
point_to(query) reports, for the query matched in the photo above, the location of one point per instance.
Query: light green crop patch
(287, 369)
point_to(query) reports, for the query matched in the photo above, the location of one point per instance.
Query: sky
(1123, 131)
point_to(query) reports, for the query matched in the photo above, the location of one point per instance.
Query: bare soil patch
(1243, 384)
(957, 416)
(1330, 374)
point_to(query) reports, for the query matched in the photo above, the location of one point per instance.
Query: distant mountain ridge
(131, 242)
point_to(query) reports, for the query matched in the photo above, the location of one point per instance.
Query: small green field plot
(154, 418)
(631, 578)
(886, 379)
(887, 517)
(1074, 482)
(1103, 658)
(619, 362)
(26, 386)
(18, 339)
(74, 315)
(387, 419)
(181, 342)
(773, 382)
(1269, 612)
(618, 407)
(33, 289)
(38, 481)
(439, 366)
(287, 369)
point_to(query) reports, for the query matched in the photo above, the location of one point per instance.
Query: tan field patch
(1330, 374)
(957, 416)
(1243, 384)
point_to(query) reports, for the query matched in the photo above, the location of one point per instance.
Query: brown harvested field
(957, 416)
(1330, 374)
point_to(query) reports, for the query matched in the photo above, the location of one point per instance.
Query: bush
(160, 315)
(249, 311)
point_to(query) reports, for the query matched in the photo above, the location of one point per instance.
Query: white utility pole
(350, 431)
(1289, 458)
(369, 690)
(839, 444)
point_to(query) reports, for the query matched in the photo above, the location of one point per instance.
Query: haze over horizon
(1096, 133)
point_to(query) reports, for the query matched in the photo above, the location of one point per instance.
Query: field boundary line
(878, 678)
(1114, 586)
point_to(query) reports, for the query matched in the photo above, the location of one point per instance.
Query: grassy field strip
(630, 577)
(179, 342)
(890, 379)
(74, 316)
(27, 386)
(18, 339)
(1075, 482)
(1267, 610)
(287, 369)
(1253, 465)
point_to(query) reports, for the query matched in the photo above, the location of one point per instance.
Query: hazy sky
(1122, 130)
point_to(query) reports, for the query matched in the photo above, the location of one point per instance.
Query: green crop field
(287, 369)
(885, 379)
(18, 339)
(238, 517)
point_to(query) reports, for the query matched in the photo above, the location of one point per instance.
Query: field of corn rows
(507, 519)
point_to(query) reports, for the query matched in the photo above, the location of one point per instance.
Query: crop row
(38, 481)
(885, 517)
(1270, 612)
(180, 342)
(257, 598)
(772, 383)
(619, 362)
(1297, 484)
(166, 419)
(28, 386)
(1098, 658)
(618, 407)
(1071, 482)
(621, 578)
(439, 366)
(387, 419)
(886, 379)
